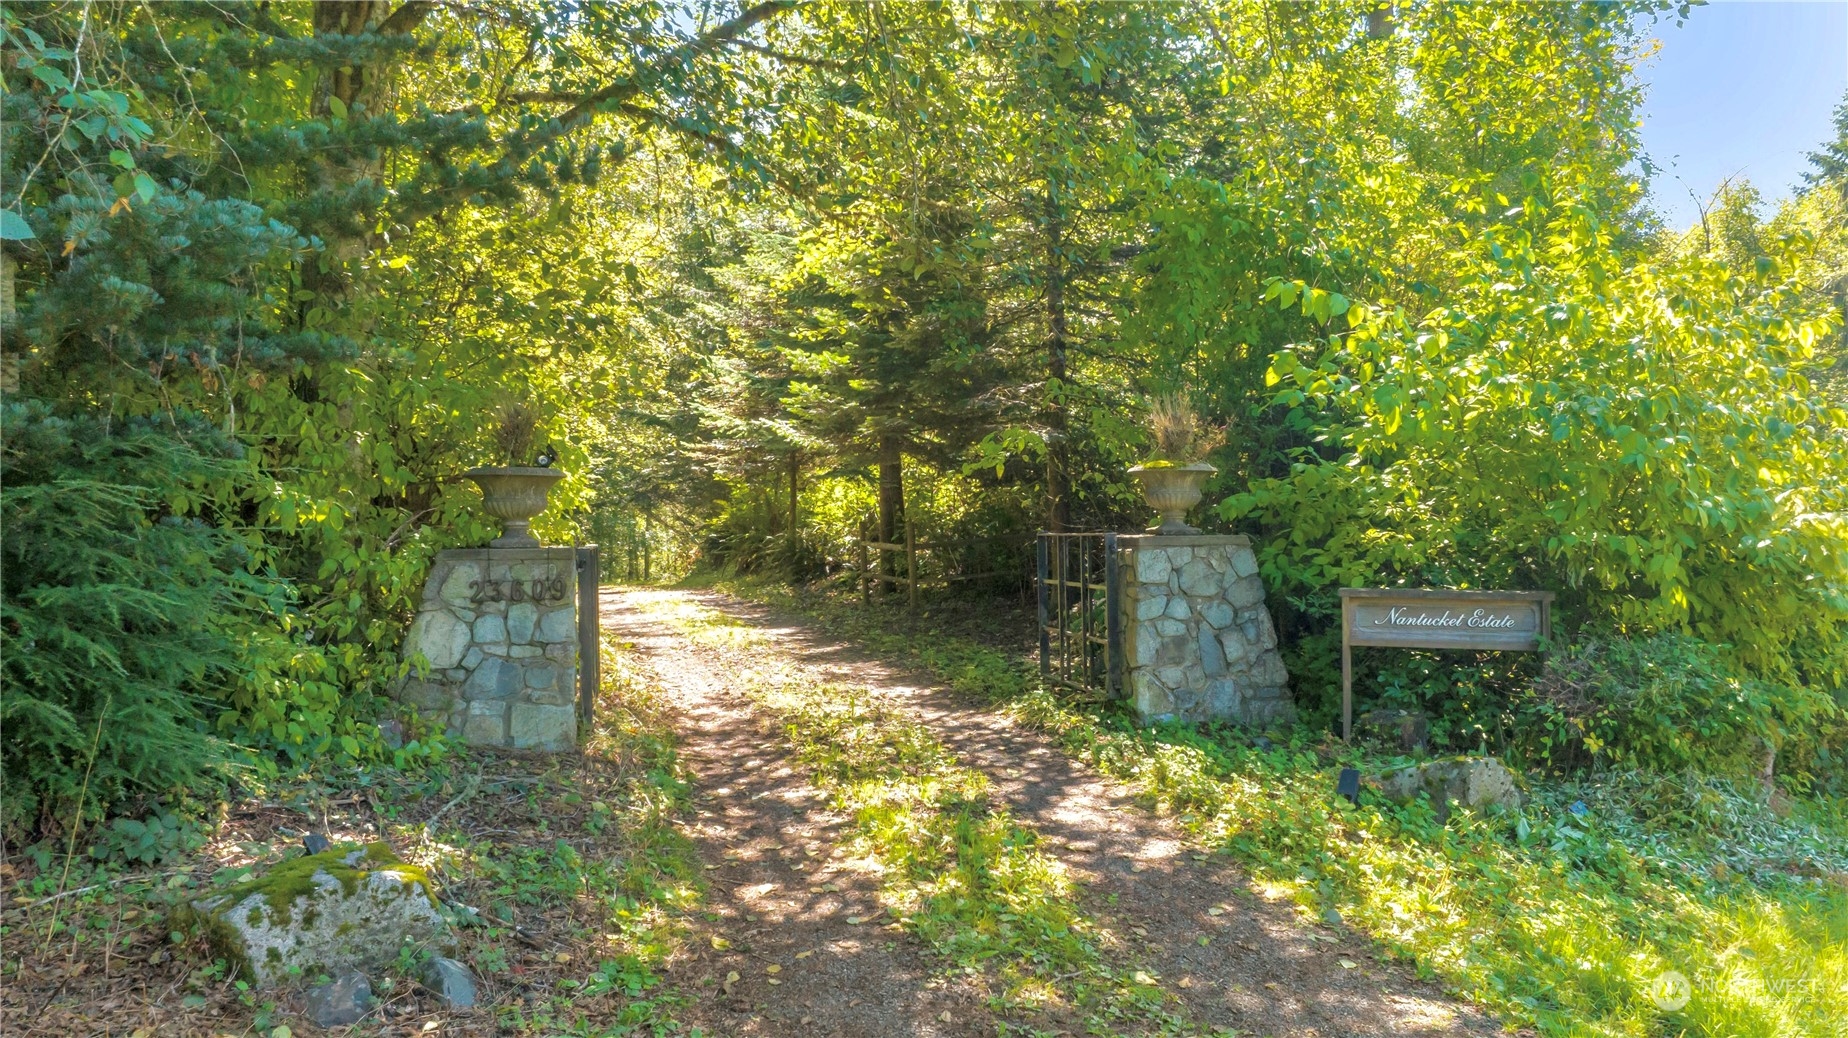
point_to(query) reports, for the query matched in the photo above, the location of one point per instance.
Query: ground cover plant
(568, 880)
(1566, 916)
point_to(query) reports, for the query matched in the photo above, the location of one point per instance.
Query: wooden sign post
(1517, 621)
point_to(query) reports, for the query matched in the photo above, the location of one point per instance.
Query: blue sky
(1743, 87)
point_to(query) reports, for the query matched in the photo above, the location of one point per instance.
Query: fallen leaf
(1139, 931)
(774, 982)
(562, 957)
(1271, 984)
(1205, 940)
(944, 1016)
(855, 920)
(1215, 910)
(281, 1031)
(773, 968)
(1142, 978)
(720, 943)
(804, 954)
(1186, 982)
(431, 1025)
(730, 979)
(1347, 964)
(808, 1020)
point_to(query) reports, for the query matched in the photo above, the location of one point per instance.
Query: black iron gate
(1080, 633)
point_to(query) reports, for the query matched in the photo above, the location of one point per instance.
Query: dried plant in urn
(516, 429)
(516, 490)
(1173, 475)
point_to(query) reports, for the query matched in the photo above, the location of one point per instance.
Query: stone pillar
(1198, 643)
(498, 629)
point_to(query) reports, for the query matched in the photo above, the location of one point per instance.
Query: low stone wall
(1198, 642)
(498, 627)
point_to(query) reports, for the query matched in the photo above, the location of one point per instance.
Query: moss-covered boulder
(352, 907)
(1474, 782)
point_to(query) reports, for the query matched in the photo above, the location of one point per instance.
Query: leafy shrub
(1639, 436)
(147, 841)
(1666, 703)
(120, 616)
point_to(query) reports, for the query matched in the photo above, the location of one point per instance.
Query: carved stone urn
(514, 495)
(1171, 490)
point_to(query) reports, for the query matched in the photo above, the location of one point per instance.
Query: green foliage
(127, 618)
(1668, 703)
(147, 841)
(765, 270)
(1639, 435)
(222, 216)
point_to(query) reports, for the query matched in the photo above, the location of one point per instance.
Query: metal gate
(1080, 633)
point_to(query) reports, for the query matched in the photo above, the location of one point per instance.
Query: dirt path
(780, 896)
(1262, 971)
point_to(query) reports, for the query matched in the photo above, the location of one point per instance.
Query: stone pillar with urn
(494, 648)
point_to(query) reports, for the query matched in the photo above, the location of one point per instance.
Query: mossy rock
(351, 907)
(1474, 782)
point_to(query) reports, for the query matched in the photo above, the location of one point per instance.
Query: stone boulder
(1474, 782)
(344, 1000)
(322, 913)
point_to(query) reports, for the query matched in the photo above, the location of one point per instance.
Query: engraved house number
(549, 588)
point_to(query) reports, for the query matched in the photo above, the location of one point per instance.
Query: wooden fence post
(911, 567)
(1041, 567)
(866, 578)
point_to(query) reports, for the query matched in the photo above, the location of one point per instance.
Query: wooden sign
(1517, 621)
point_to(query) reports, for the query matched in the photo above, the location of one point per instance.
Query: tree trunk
(1057, 340)
(350, 93)
(891, 501)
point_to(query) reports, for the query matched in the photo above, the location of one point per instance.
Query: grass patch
(1572, 915)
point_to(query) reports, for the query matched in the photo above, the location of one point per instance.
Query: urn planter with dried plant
(515, 492)
(1173, 476)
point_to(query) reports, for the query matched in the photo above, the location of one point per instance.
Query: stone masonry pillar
(498, 629)
(1198, 642)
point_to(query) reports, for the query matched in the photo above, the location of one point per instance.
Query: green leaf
(145, 188)
(338, 107)
(13, 227)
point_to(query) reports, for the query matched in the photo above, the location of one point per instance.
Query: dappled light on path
(779, 894)
(1224, 954)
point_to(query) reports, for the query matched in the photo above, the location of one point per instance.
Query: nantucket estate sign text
(1436, 619)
